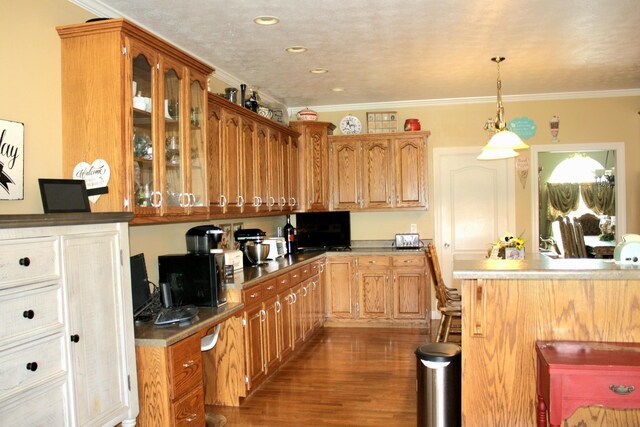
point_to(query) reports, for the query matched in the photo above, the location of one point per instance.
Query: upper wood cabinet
(250, 161)
(138, 103)
(378, 171)
(314, 158)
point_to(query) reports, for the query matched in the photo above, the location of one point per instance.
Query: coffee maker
(254, 251)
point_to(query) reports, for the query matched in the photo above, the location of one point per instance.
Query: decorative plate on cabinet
(350, 125)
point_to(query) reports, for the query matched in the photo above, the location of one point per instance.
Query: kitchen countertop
(149, 335)
(537, 266)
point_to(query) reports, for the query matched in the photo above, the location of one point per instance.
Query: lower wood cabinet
(377, 289)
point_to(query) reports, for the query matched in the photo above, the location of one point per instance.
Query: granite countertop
(537, 266)
(51, 220)
(149, 335)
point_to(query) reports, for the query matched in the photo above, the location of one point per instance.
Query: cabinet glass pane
(175, 196)
(144, 191)
(198, 171)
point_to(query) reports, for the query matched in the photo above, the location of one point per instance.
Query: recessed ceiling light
(319, 71)
(296, 49)
(266, 20)
(338, 89)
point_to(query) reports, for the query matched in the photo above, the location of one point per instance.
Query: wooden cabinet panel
(285, 324)
(346, 175)
(410, 294)
(270, 337)
(189, 410)
(411, 172)
(186, 366)
(373, 294)
(377, 173)
(232, 161)
(255, 358)
(217, 199)
(341, 287)
(249, 147)
(261, 197)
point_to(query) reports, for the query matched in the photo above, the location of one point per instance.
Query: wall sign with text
(11, 160)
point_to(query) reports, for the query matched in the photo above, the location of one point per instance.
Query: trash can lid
(438, 352)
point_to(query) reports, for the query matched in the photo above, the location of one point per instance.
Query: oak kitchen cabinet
(314, 158)
(378, 171)
(377, 289)
(153, 144)
(250, 158)
(67, 338)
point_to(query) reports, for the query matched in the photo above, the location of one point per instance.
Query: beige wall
(30, 88)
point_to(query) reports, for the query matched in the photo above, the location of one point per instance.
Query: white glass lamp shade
(505, 140)
(497, 153)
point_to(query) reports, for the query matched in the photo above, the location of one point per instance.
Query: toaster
(277, 246)
(628, 251)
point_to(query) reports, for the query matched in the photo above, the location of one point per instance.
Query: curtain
(599, 198)
(563, 198)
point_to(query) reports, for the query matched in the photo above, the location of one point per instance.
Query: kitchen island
(508, 305)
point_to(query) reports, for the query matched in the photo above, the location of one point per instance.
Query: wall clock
(350, 125)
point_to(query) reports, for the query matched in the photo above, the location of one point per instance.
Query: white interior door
(474, 204)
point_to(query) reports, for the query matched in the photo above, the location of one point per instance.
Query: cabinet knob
(25, 262)
(75, 338)
(188, 363)
(28, 314)
(32, 366)
(191, 418)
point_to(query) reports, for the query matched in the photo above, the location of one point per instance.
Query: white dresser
(67, 350)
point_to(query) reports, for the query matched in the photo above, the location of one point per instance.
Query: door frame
(621, 192)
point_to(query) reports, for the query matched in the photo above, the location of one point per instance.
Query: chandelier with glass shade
(503, 143)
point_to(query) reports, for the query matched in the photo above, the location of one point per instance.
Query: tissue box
(233, 257)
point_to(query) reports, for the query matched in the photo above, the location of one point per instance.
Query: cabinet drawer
(283, 282)
(186, 366)
(35, 362)
(252, 296)
(373, 261)
(30, 311)
(409, 261)
(28, 260)
(305, 272)
(315, 268)
(595, 386)
(296, 276)
(269, 288)
(189, 411)
(51, 408)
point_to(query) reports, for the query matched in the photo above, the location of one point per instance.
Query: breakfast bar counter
(509, 305)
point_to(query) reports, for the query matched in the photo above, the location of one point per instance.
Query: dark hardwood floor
(342, 377)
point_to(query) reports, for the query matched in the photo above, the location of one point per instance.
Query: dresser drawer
(28, 260)
(51, 408)
(27, 311)
(373, 261)
(252, 296)
(408, 261)
(189, 411)
(596, 386)
(35, 362)
(186, 365)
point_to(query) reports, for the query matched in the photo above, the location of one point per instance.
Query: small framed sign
(11, 160)
(64, 195)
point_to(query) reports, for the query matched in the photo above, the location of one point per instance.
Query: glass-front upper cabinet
(198, 153)
(174, 145)
(147, 197)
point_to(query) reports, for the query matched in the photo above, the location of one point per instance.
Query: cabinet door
(285, 319)
(197, 169)
(292, 181)
(147, 194)
(377, 174)
(255, 359)
(410, 294)
(261, 197)
(249, 165)
(270, 337)
(215, 174)
(99, 346)
(232, 161)
(411, 172)
(373, 294)
(297, 314)
(171, 154)
(317, 167)
(308, 305)
(276, 201)
(341, 288)
(345, 175)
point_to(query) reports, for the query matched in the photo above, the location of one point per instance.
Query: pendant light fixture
(503, 143)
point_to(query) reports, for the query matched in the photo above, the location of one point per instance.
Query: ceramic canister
(412, 125)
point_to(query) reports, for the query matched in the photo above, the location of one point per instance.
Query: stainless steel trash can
(439, 383)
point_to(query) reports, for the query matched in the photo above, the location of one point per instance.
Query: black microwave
(196, 279)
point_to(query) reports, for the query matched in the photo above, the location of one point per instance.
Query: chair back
(590, 224)
(568, 238)
(435, 275)
(579, 236)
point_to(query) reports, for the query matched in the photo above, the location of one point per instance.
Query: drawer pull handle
(621, 389)
(254, 295)
(25, 262)
(28, 314)
(270, 287)
(191, 418)
(188, 363)
(75, 338)
(32, 366)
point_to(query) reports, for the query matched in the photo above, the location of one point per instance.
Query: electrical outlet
(413, 228)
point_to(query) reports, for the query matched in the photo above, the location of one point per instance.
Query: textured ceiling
(400, 50)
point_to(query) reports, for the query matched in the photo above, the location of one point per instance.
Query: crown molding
(470, 100)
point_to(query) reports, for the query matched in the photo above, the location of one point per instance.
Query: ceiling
(401, 50)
